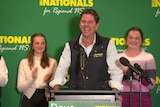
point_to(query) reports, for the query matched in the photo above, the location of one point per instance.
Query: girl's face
(134, 40)
(39, 45)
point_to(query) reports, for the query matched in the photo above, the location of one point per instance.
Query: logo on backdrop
(14, 43)
(156, 4)
(21, 43)
(65, 6)
(121, 43)
(158, 82)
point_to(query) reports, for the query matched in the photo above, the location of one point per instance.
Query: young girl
(34, 73)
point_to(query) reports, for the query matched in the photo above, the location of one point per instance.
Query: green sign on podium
(83, 104)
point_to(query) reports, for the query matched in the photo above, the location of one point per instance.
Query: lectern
(84, 98)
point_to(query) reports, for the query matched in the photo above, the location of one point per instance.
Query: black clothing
(37, 100)
(95, 75)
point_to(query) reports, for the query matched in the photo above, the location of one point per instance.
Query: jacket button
(86, 78)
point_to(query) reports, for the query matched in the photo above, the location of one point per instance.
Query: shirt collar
(80, 40)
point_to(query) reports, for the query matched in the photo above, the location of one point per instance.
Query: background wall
(19, 19)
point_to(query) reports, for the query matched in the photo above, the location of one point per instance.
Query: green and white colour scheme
(58, 20)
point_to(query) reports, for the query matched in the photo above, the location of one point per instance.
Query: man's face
(88, 25)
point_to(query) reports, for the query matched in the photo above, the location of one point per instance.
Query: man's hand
(119, 97)
(57, 87)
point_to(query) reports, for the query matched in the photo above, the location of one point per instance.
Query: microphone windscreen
(136, 65)
(124, 61)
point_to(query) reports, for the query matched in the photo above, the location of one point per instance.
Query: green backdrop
(59, 22)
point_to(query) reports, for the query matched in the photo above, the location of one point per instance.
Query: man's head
(89, 22)
(92, 12)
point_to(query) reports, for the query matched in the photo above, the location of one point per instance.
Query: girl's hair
(45, 58)
(135, 29)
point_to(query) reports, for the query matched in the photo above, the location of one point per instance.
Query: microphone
(144, 75)
(82, 61)
(125, 62)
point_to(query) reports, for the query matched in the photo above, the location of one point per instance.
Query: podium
(84, 98)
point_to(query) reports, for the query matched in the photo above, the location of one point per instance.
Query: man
(3, 72)
(91, 59)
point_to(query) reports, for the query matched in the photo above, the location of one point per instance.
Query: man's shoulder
(103, 39)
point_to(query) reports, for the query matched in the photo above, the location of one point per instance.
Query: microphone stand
(131, 80)
(140, 91)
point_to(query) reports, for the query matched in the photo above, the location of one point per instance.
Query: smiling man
(91, 59)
